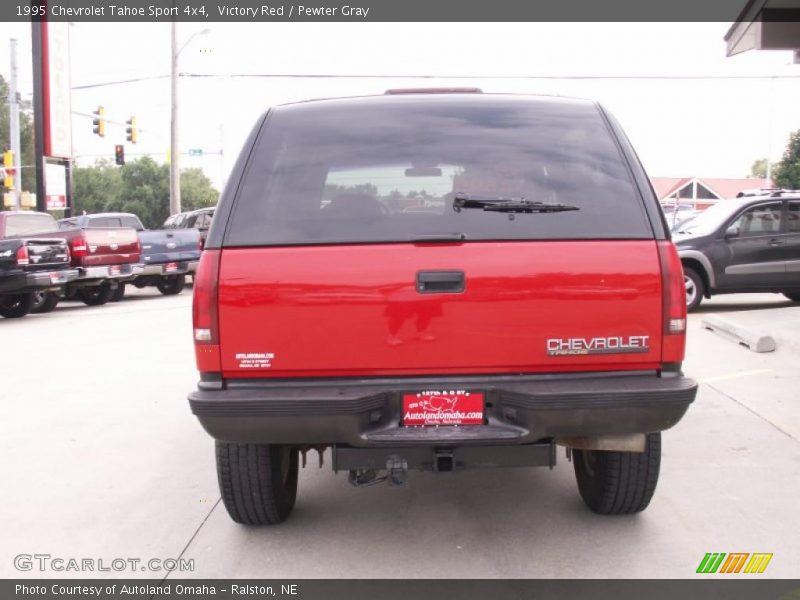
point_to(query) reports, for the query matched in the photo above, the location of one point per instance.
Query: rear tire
(96, 295)
(695, 288)
(793, 296)
(258, 482)
(45, 302)
(618, 483)
(118, 293)
(169, 285)
(14, 306)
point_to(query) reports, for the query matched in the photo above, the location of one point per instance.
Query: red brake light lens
(23, 258)
(674, 305)
(79, 246)
(206, 295)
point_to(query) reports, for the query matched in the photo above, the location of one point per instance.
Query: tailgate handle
(440, 282)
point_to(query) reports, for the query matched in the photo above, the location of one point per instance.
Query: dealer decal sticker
(255, 360)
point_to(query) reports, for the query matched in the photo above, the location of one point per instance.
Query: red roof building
(703, 192)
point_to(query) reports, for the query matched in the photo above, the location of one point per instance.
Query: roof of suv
(425, 96)
(769, 193)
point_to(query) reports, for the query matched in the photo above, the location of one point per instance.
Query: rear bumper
(181, 268)
(368, 413)
(98, 274)
(23, 282)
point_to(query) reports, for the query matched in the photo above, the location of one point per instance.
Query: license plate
(114, 270)
(57, 278)
(170, 267)
(442, 407)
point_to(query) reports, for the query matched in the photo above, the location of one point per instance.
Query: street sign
(195, 152)
(55, 186)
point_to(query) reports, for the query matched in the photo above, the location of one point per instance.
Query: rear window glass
(383, 170)
(116, 221)
(202, 221)
(25, 224)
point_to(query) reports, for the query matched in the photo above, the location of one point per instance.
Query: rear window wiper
(510, 205)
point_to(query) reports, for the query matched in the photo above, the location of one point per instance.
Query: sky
(688, 109)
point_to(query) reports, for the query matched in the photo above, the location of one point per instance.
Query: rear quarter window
(387, 170)
(27, 224)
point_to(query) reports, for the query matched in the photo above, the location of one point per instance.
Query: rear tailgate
(111, 246)
(527, 306)
(46, 253)
(532, 205)
(170, 246)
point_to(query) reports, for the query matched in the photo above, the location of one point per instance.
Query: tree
(759, 169)
(141, 187)
(196, 190)
(25, 136)
(95, 187)
(787, 171)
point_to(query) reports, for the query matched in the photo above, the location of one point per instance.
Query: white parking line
(735, 375)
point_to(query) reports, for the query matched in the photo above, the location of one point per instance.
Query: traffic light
(8, 167)
(99, 121)
(119, 154)
(132, 130)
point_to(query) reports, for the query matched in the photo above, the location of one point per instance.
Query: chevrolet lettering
(598, 345)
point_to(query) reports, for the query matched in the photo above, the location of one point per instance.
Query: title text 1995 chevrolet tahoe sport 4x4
(438, 281)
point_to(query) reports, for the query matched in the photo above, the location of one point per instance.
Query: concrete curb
(755, 340)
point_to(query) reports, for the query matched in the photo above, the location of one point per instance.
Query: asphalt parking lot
(103, 460)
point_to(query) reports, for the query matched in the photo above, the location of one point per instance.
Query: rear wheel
(96, 295)
(44, 302)
(793, 296)
(258, 482)
(618, 483)
(695, 288)
(170, 285)
(14, 306)
(118, 293)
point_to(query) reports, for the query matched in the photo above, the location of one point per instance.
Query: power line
(117, 82)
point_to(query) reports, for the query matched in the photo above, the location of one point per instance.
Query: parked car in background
(676, 213)
(199, 219)
(30, 267)
(104, 258)
(166, 257)
(747, 244)
(531, 299)
(682, 222)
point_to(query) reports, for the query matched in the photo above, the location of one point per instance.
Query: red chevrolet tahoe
(438, 281)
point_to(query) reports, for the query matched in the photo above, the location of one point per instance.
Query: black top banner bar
(360, 11)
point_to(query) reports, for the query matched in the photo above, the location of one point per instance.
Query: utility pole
(174, 147)
(175, 153)
(13, 107)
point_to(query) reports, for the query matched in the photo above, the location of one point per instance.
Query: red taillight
(206, 295)
(23, 258)
(79, 246)
(674, 303)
